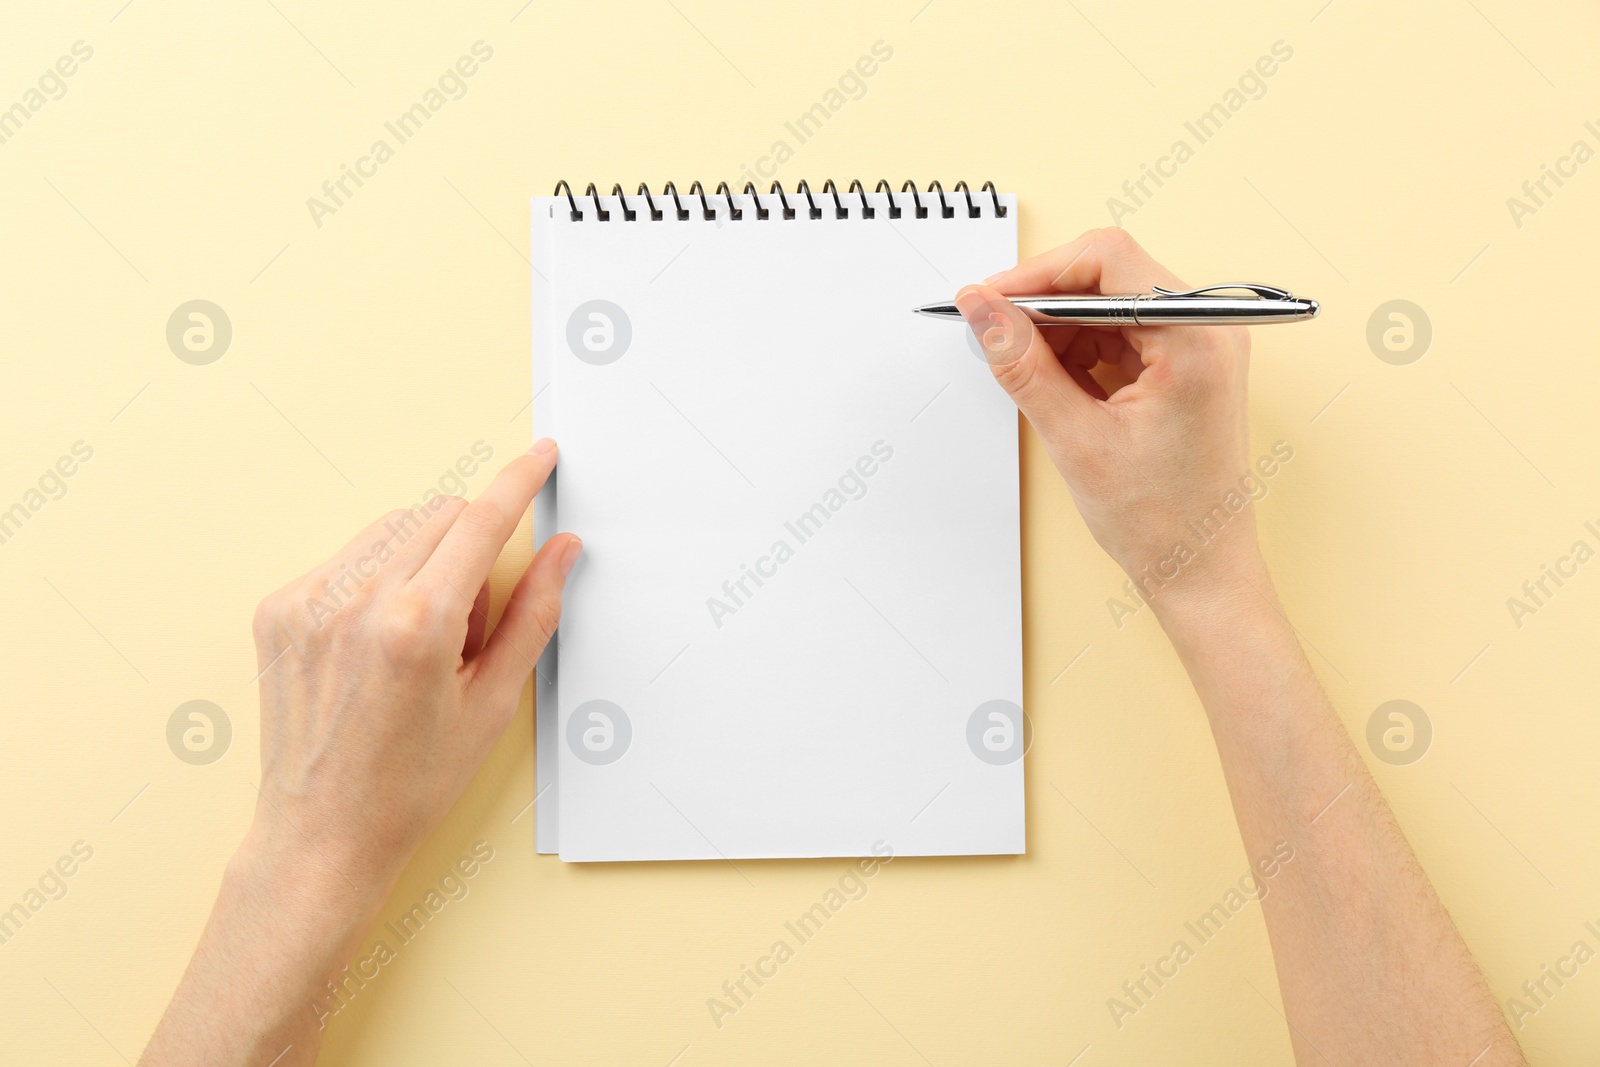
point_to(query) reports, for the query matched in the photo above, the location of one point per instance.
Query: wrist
(1213, 578)
(309, 897)
(284, 923)
(1226, 631)
(1215, 603)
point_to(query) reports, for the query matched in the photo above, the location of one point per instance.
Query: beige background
(372, 352)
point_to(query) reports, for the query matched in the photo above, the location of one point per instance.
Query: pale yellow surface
(372, 352)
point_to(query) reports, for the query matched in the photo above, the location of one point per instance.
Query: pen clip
(1265, 292)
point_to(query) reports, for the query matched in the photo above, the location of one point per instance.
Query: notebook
(795, 629)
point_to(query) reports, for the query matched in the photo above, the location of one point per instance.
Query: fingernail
(991, 279)
(541, 446)
(1001, 329)
(569, 555)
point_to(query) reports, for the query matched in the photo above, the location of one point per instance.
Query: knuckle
(1222, 357)
(546, 616)
(1237, 342)
(310, 612)
(1044, 408)
(264, 624)
(1017, 377)
(1115, 240)
(403, 522)
(407, 628)
(446, 504)
(482, 518)
(323, 592)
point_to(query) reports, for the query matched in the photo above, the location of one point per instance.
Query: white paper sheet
(795, 628)
(546, 797)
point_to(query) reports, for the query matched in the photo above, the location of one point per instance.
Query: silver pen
(1263, 304)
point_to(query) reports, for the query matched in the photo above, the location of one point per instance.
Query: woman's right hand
(1159, 467)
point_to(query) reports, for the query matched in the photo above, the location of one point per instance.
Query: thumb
(529, 621)
(1024, 364)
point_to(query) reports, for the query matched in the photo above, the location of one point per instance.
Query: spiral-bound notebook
(795, 628)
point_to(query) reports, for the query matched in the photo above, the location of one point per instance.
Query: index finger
(1100, 261)
(463, 558)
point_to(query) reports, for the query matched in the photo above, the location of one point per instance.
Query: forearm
(1370, 966)
(284, 923)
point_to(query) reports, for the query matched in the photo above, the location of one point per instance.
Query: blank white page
(795, 627)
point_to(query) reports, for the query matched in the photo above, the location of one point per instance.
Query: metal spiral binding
(750, 190)
(867, 211)
(788, 212)
(705, 207)
(628, 214)
(884, 188)
(816, 212)
(655, 212)
(841, 210)
(727, 193)
(594, 194)
(916, 198)
(683, 212)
